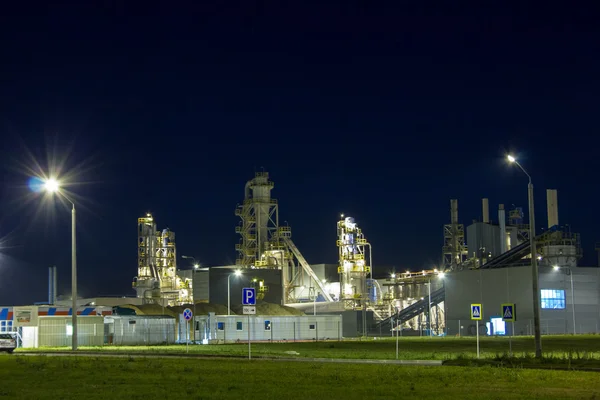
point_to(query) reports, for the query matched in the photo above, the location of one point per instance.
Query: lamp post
(570, 273)
(53, 186)
(534, 265)
(194, 271)
(236, 273)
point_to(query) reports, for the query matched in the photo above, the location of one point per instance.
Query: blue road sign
(248, 296)
(187, 314)
(476, 312)
(509, 312)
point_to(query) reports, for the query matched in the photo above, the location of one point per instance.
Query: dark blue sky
(381, 113)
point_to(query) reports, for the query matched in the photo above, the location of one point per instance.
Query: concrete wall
(493, 287)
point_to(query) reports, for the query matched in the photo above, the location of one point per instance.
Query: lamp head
(51, 185)
(511, 158)
(237, 272)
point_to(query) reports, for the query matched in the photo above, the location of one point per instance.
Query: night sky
(383, 114)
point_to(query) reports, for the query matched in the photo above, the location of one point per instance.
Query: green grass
(571, 352)
(41, 377)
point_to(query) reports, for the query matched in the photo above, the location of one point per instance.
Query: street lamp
(236, 273)
(196, 266)
(51, 185)
(534, 265)
(570, 273)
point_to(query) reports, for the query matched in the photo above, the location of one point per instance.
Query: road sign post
(187, 315)
(509, 314)
(477, 315)
(249, 308)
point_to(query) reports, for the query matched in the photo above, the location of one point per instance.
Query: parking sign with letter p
(248, 296)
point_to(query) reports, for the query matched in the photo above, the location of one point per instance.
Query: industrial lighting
(534, 262)
(196, 266)
(556, 267)
(441, 274)
(51, 185)
(393, 276)
(237, 273)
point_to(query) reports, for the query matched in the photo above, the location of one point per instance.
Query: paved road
(196, 356)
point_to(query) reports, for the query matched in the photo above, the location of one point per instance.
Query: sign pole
(512, 330)
(249, 307)
(477, 315)
(249, 349)
(396, 339)
(477, 325)
(187, 336)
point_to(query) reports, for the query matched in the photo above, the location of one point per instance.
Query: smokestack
(502, 219)
(552, 200)
(486, 211)
(52, 285)
(454, 211)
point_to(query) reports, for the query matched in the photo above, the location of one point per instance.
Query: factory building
(570, 300)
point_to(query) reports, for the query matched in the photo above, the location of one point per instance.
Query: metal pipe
(572, 299)
(228, 296)
(73, 279)
(429, 314)
(534, 266)
(534, 274)
(486, 211)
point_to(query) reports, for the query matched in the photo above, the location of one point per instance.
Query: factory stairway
(415, 309)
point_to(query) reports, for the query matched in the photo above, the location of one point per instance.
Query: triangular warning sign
(475, 312)
(507, 312)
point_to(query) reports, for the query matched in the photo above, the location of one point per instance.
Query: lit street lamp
(51, 185)
(194, 272)
(236, 273)
(570, 273)
(534, 265)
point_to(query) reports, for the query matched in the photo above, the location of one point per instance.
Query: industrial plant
(488, 262)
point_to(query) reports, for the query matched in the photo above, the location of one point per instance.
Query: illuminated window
(553, 299)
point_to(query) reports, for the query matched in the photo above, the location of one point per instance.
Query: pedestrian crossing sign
(476, 312)
(509, 312)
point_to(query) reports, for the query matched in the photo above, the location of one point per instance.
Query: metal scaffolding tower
(265, 244)
(259, 220)
(353, 267)
(157, 280)
(454, 251)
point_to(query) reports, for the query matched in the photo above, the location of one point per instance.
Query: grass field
(558, 350)
(42, 377)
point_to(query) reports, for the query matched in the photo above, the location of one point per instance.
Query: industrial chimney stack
(52, 285)
(486, 211)
(552, 200)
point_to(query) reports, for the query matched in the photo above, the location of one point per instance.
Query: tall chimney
(454, 211)
(51, 285)
(54, 287)
(486, 211)
(552, 200)
(502, 219)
